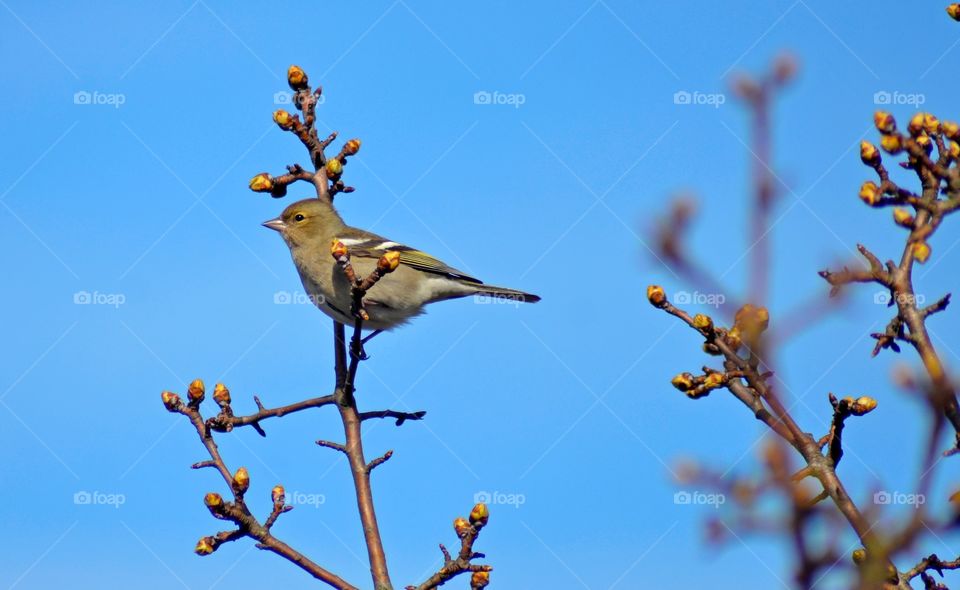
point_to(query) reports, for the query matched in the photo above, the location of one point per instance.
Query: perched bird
(309, 227)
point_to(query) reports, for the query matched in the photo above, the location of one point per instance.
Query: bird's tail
(505, 293)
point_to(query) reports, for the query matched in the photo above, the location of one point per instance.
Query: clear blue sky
(565, 405)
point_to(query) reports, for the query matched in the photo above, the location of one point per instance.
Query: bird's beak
(275, 224)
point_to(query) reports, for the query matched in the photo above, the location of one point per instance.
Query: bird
(309, 228)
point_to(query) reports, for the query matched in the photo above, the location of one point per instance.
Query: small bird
(309, 227)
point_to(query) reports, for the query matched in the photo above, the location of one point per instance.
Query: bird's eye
(298, 217)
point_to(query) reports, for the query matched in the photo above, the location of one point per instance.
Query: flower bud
(902, 217)
(931, 124)
(334, 168)
(921, 251)
(892, 143)
(214, 502)
(863, 405)
(338, 249)
(859, 555)
(171, 401)
(656, 296)
(204, 546)
(734, 339)
(278, 494)
(954, 11)
(954, 150)
(261, 183)
(351, 147)
(950, 129)
(296, 77)
(388, 262)
(221, 395)
(926, 143)
(869, 153)
(241, 480)
(283, 119)
(683, 381)
(702, 322)
(915, 127)
(479, 580)
(884, 121)
(870, 193)
(479, 515)
(195, 391)
(461, 527)
(784, 68)
(714, 380)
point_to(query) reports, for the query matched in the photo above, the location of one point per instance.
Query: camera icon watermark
(114, 300)
(298, 298)
(95, 498)
(698, 298)
(305, 499)
(484, 97)
(684, 97)
(896, 98)
(500, 499)
(698, 498)
(886, 498)
(84, 97)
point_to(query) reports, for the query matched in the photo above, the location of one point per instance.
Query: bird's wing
(367, 245)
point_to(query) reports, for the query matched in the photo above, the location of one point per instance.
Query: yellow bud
(762, 317)
(884, 121)
(196, 390)
(479, 515)
(863, 405)
(278, 494)
(338, 249)
(950, 129)
(892, 143)
(334, 168)
(261, 183)
(213, 500)
(869, 153)
(221, 394)
(683, 381)
(859, 555)
(870, 193)
(283, 119)
(351, 147)
(389, 262)
(241, 480)
(954, 11)
(916, 124)
(931, 124)
(656, 296)
(926, 143)
(204, 546)
(461, 527)
(713, 380)
(479, 580)
(902, 217)
(955, 499)
(734, 339)
(702, 322)
(170, 400)
(296, 77)
(921, 251)
(954, 150)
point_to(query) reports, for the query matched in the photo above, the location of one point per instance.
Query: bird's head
(306, 221)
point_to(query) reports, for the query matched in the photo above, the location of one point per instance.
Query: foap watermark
(499, 98)
(285, 97)
(697, 498)
(885, 498)
(500, 499)
(498, 299)
(885, 298)
(298, 298)
(884, 97)
(95, 498)
(305, 499)
(698, 298)
(114, 300)
(715, 100)
(114, 99)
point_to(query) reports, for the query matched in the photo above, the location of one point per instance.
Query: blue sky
(561, 410)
